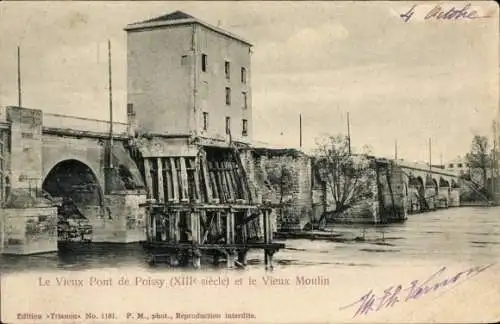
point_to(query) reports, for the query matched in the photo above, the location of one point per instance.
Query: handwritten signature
(438, 13)
(370, 302)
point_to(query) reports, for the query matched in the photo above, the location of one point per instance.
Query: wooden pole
(300, 130)
(430, 154)
(2, 231)
(175, 179)
(230, 238)
(161, 185)
(19, 102)
(395, 150)
(494, 163)
(110, 107)
(348, 134)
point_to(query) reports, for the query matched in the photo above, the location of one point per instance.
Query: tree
(479, 156)
(348, 177)
(280, 175)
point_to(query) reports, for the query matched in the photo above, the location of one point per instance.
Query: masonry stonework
(25, 148)
(33, 153)
(284, 180)
(28, 230)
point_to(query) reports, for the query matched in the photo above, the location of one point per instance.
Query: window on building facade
(450, 165)
(130, 109)
(184, 60)
(204, 62)
(459, 165)
(228, 125)
(245, 100)
(227, 70)
(243, 75)
(244, 127)
(228, 96)
(205, 121)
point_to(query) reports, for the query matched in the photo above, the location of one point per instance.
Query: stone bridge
(428, 187)
(47, 157)
(403, 188)
(398, 188)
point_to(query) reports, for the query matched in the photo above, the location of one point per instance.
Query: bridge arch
(431, 182)
(444, 182)
(75, 180)
(416, 181)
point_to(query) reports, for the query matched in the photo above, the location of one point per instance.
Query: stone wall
(386, 198)
(4, 164)
(454, 198)
(364, 211)
(253, 173)
(30, 155)
(394, 193)
(122, 221)
(28, 230)
(25, 147)
(291, 199)
(443, 197)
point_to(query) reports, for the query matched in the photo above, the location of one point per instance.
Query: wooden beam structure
(204, 207)
(161, 193)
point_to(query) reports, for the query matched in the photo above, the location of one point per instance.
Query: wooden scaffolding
(202, 206)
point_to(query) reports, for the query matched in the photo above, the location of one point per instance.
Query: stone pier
(28, 230)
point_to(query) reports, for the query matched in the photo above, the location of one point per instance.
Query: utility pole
(110, 162)
(430, 154)
(395, 149)
(348, 134)
(19, 102)
(494, 162)
(300, 130)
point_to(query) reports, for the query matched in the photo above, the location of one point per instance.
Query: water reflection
(455, 235)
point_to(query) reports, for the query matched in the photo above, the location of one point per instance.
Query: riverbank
(343, 234)
(477, 204)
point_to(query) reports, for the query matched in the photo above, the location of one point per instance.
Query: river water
(455, 235)
(428, 247)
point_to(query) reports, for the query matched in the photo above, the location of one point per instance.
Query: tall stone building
(187, 77)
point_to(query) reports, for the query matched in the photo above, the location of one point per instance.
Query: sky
(399, 81)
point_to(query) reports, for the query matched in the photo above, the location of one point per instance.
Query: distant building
(459, 166)
(187, 77)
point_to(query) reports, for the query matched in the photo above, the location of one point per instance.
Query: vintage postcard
(249, 162)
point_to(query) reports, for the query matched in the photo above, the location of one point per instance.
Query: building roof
(176, 15)
(179, 18)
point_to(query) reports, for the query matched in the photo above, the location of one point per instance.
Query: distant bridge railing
(425, 168)
(51, 120)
